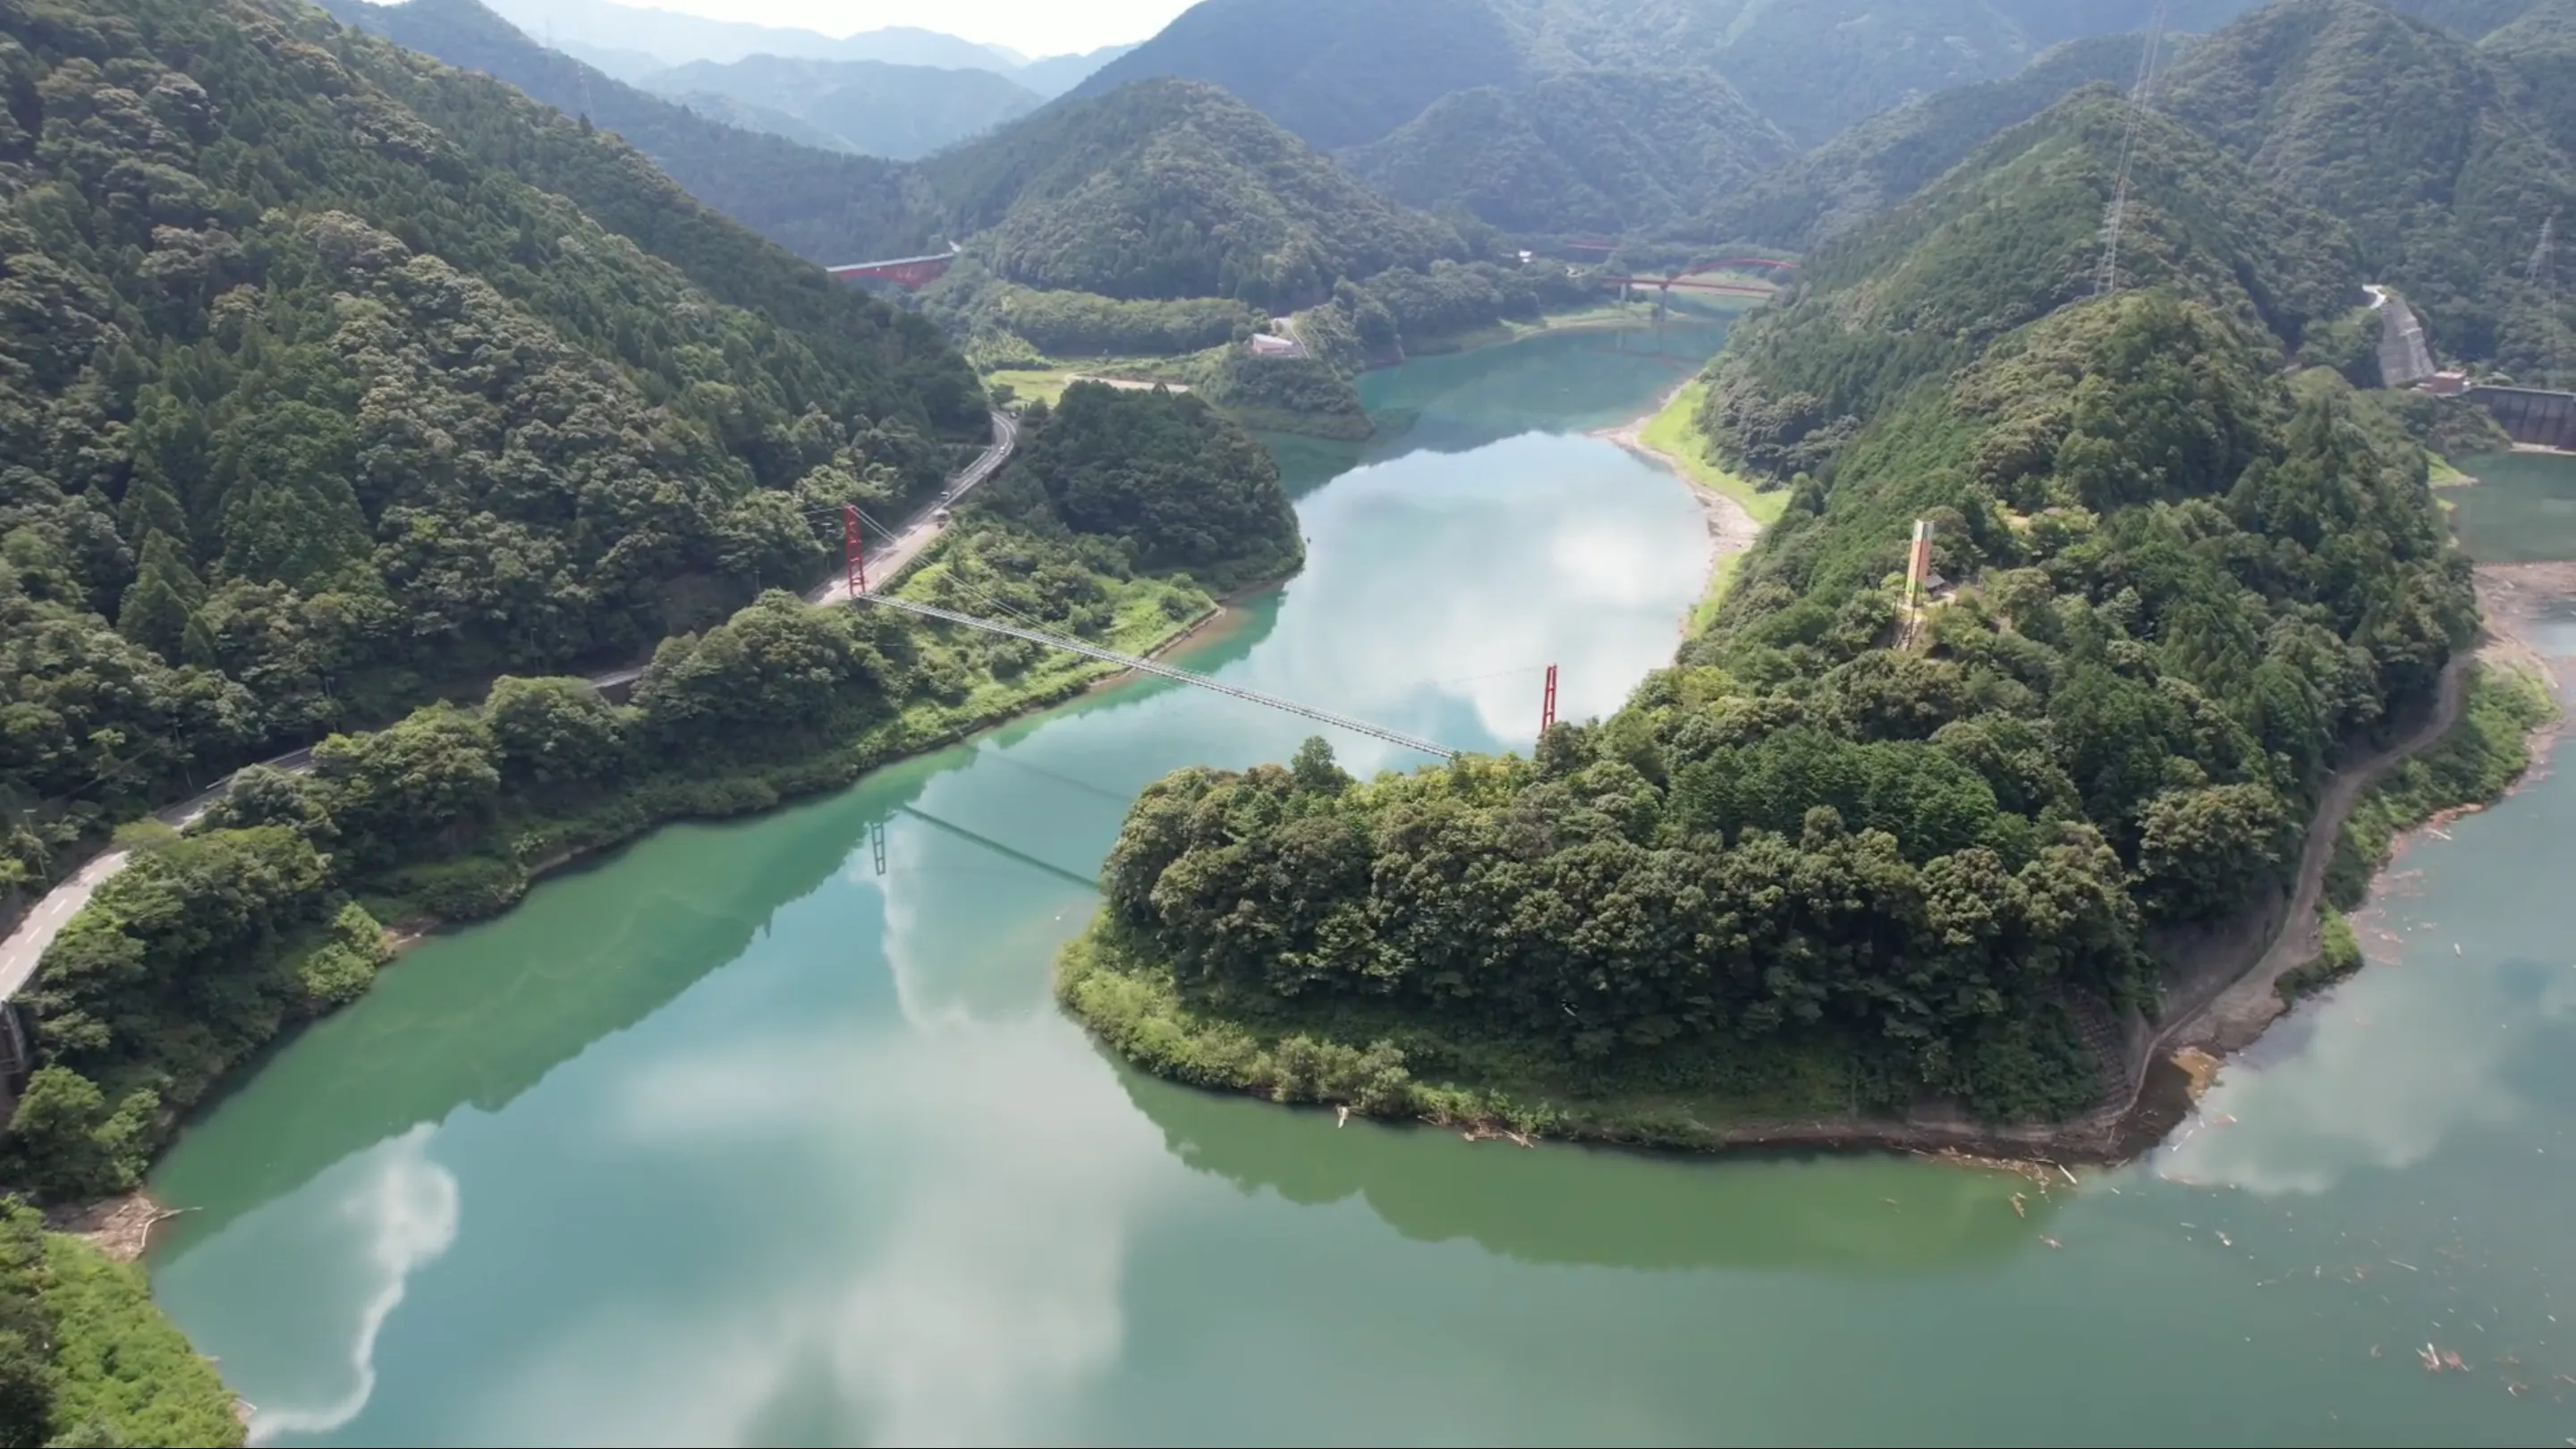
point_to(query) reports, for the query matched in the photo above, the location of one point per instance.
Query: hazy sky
(1032, 27)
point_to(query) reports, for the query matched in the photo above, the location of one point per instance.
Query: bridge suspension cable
(1166, 671)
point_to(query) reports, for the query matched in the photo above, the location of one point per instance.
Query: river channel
(754, 1134)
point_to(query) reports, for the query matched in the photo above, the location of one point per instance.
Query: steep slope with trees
(309, 408)
(1345, 73)
(1581, 151)
(1172, 189)
(1337, 72)
(2541, 47)
(2007, 238)
(1831, 864)
(1889, 157)
(1124, 510)
(84, 1356)
(825, 207)
(903, 112)
(2426, 147)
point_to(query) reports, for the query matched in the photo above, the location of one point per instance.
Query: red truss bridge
(910, 273)
(1691, 278)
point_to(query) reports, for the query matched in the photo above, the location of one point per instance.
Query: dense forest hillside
(1344, 73)
(2008, 237)
(1337, 72)
(900, 111)
(2421, 143)
(825, 207)
(744, 115)
(2541, 47)
(1580, 151)
(290, 443)
(1891, 156)
(1172, 189)
(1163, 479)
(1834, 861)
(2475, 19)
(85, 1358)
(1121, 513)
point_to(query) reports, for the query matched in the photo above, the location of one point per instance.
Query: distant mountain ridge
(873, 107)
(1880, 162)
(606, 29)
(824, 207)
(1346, 73)
(1578, 151)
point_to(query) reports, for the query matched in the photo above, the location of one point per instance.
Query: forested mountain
(1344, 73)
(744, 115)
(1163, 480)
(1579, 151)
(824, 207)
(2423, 144)
(2541, 47)
(1337, 72)
(1831, 861)
(868, 106)
(2008, 237)
(1171, 189)
(1891, 156)
(2472, 18)
(441, 384)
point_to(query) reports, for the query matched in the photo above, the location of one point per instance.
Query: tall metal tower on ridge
(2106, 280)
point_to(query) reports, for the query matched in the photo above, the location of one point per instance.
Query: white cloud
(399, 1214)
(2401, 1058)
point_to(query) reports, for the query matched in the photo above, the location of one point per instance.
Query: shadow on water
(1600, 1207)
(1079, 882)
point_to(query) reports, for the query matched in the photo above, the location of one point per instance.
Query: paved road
(26, 945)
(923, 528)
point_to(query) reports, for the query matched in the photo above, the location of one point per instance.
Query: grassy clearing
(1033, 384)
(1674, 433)
(2447, 474)
(1675, 436)
(1383, 1064)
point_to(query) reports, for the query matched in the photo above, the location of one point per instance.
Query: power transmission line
(2107, 279)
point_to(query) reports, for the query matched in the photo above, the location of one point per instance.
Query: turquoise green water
(2522, 510)
(733, 1139)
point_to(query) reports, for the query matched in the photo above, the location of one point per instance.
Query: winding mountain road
(26, 945)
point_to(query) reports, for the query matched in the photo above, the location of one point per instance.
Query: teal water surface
(2521, 510)
(733, 1138)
